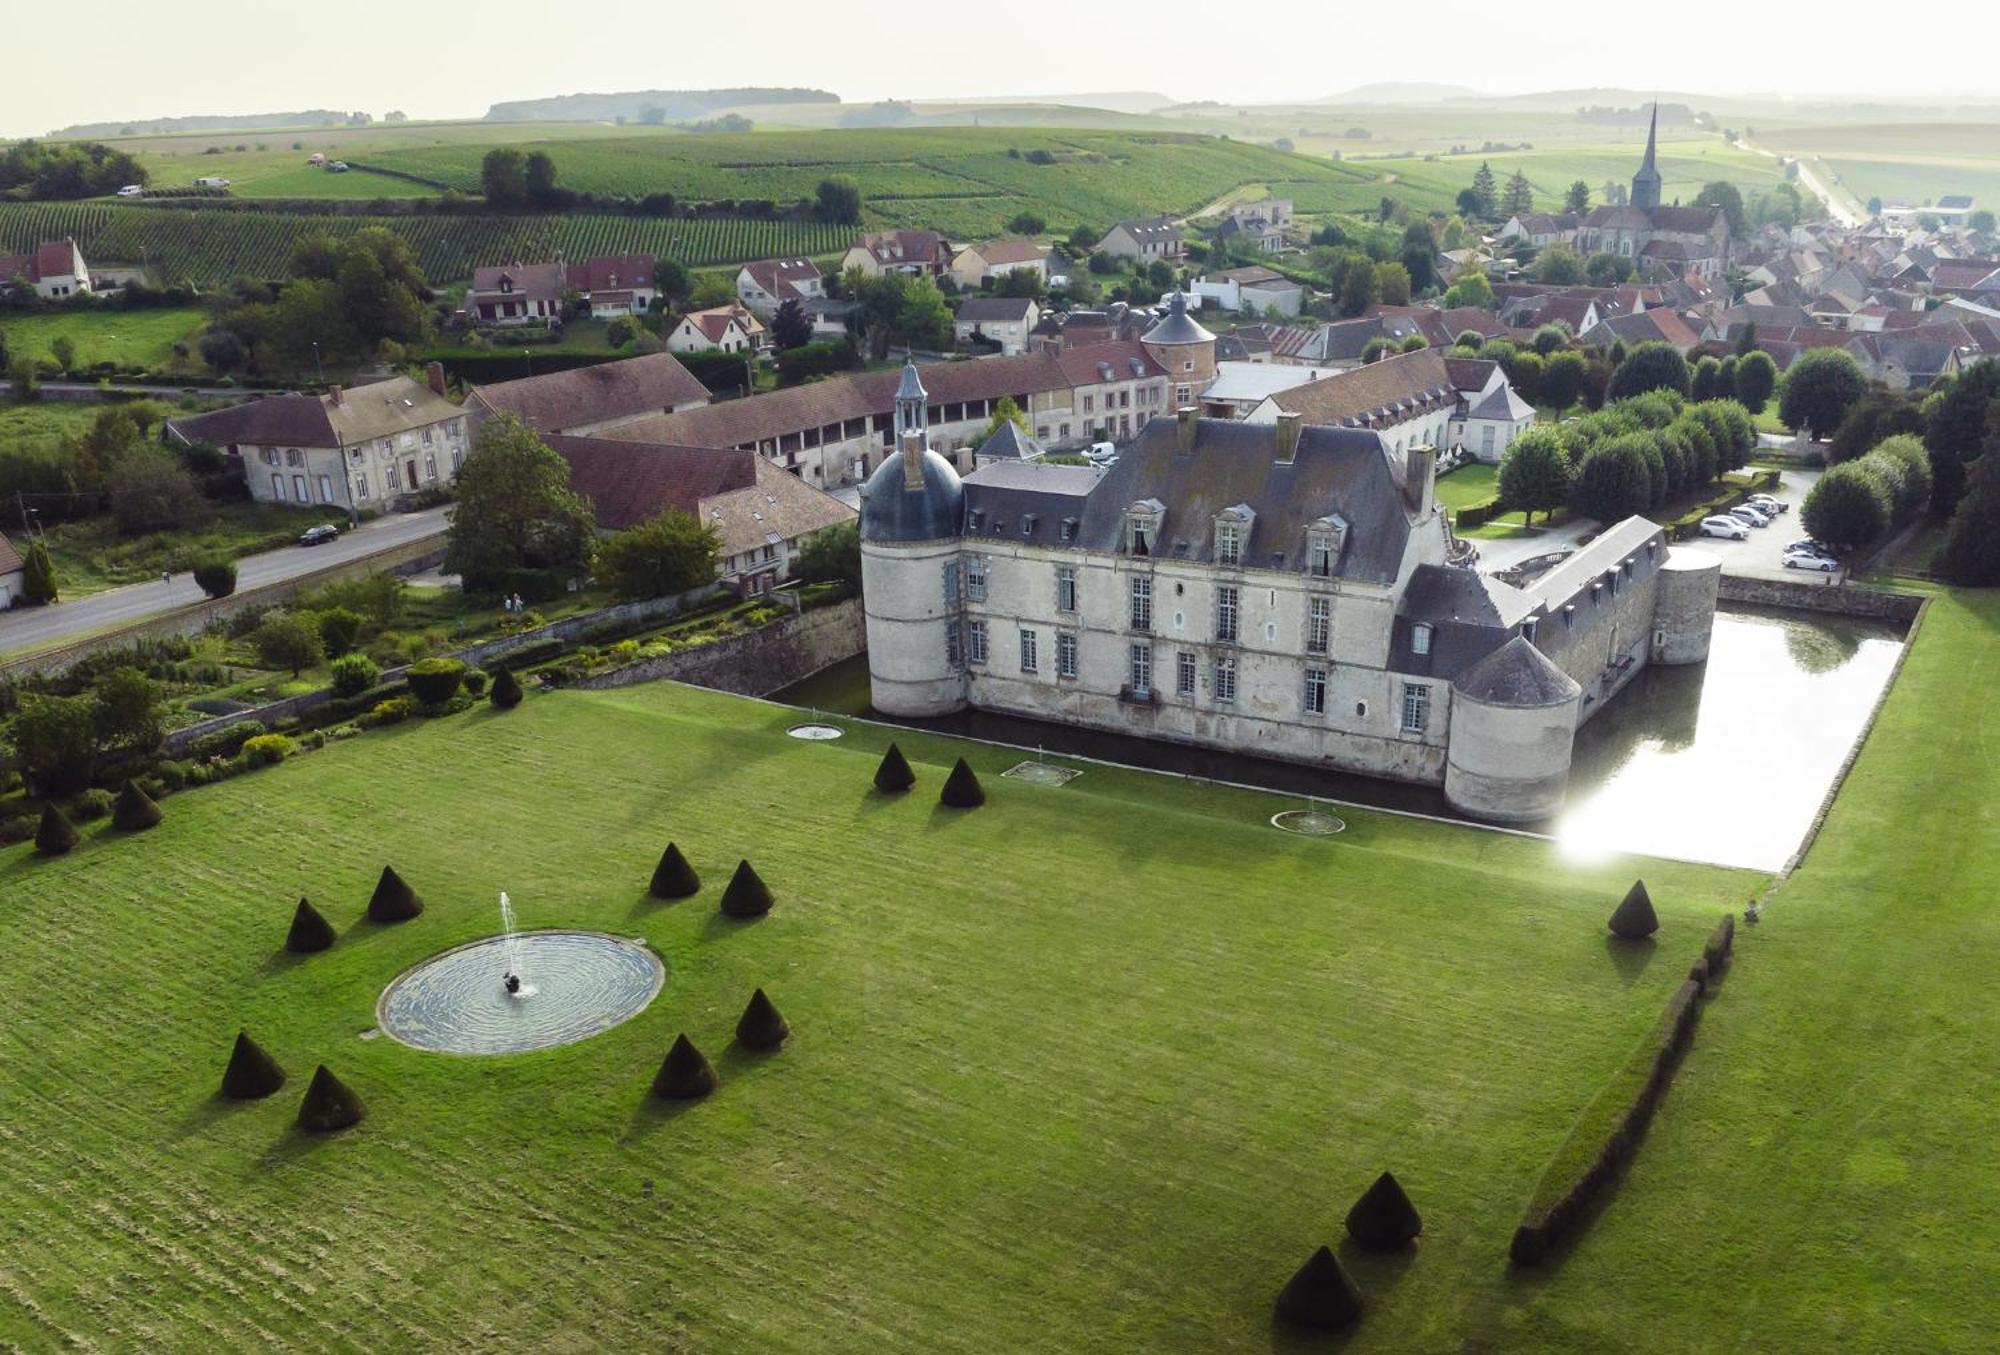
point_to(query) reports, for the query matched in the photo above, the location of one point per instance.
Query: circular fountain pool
(574, 985)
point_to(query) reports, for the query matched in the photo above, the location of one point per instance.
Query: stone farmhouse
(1671, 239)
(996, 258)
(54, 270)
(1003, 320)
(1275, 589)
(365, 447)
(1157, 238)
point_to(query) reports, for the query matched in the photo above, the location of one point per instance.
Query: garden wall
(759, 662)
(1843, 600)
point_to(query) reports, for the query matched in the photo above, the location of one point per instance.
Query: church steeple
(1646, 183)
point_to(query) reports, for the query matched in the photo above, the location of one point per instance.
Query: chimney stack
(913, 459)
(333, 395)
(1420, 479)
(1288, 437)
(1185, 428)
(434, 377)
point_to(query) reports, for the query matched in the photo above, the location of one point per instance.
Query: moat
(1726, 761)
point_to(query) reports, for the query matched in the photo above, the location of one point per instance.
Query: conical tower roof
(911, 387)
(1177, 326)
(1646, 183)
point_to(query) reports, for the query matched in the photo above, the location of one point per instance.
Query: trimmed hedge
(894, 775)
(685, 1074)
(747, 895)
(434, 681)
(136, 811)
(1319, 1296)
(56, 835)
(761, 1026)
(393, 901)
(1721, 943)
(1383, 1219)
(673, 878)
(310, 931)
(251, 1073)
(330, 1104)
(506, 692)
(962, 789)
(1477, 515)
(1634, 918)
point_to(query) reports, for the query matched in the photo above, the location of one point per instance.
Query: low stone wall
(756, 663)
(1841, 599)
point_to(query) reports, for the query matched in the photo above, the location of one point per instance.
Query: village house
(54, 270)
(534, 293)
(761, 513)
(1002, 320)
(997, 258)
(615, 284)
(763, 285)
(719, 329)
(1540, 229)
(1461, 406)
(923, 254)
(1254, 290)
(1658, 324)
(586, 400)
(364, 447)
(13, 574)
(1158, 238)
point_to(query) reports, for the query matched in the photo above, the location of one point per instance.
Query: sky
(452, 58)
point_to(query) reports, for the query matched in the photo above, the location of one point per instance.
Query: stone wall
(758, 662)
(1842, 599)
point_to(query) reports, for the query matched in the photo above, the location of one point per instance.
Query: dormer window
(1142, 526)
(1232, 534)
(1324, 540)
(1420, 638)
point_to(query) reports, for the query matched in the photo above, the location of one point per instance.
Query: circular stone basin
(574, 985)
(817, 733)
(1307, 822)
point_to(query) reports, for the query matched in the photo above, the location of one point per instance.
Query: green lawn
(1087, 1069)
(138, 338)
(1472, 483)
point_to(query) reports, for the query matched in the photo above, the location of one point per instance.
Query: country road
(39, 627)
(1839, 205)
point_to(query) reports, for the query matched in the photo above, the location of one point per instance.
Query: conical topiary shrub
(393, 901)
(1383, 1219)
(1320, 1296)
(251, 1072)
(506, 691)
(136, 811)
(746, 895)
(1635, 919)
(761, 1027)
(673, 878)
(894, 775)
(961, 788)
(310, 932)
(56, 834)
(686, 1075)
(330, 1104)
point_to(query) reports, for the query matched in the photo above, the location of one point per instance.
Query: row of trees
(61, 171)
(1633, 456)
(343, 300)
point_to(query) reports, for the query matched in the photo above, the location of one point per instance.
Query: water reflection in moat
(1725, 761)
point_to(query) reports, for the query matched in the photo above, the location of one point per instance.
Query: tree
(791, 327)
(1485, 197)
(1607, 270)
(838, 200)
(670, 278)
(1027, 223)
(55, 742)
(1702, 385)
(329, 1104)
(503, 177)
(27, 383)
(1724, 197)
(1877, 415)
(152, 492)
(1419, 256)
(1552, 337)
(923, 320)
(1470, 288)
(354, 674)
(38, 578)
(222, 350)
(1756, 378)
(1558, 266)
(1319, 1296)
(1971, 552)
(831, 555)
(1848, 507)
(1357, 290)
(711, 289)
(1957, 422)
(288, 640)
(215, 575)
(1613, 483)
(127, 712)
(668, 553)
(893, 775)
(310, 932)
(1535, 472)
(56, 835)
(1577, 200)
(1563, 375)
(1392, 284)
(1519, 197)
(136, 811)
(339, 628)
(516, 510)
(506, 693)
(1653, 365)
(63, 349)
(538, 177)
(1819, 390)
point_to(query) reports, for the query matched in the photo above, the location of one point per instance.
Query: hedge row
(1736, 488)
(1476, 515)
(1611, 1127)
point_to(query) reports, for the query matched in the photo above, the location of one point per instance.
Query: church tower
(1646, 183)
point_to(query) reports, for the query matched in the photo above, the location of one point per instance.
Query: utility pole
(317, 368)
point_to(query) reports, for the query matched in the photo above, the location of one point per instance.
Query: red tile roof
(743, 496)
(10, 559)
(612, 272)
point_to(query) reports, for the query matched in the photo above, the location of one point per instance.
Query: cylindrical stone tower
(911, 511)
(1179, 344)
(1513, 721)
(1684, 607)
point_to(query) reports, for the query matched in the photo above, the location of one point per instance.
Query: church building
(1660, 239)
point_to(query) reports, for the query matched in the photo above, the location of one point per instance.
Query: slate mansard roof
(933, 512)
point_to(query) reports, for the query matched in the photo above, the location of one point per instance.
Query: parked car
(318, 536)
(1733, 529)
(1805, 545)
(1767, 505)
(1825, 564)
(337, 167)
(211, 181)
(1750, 515)
(131, 190)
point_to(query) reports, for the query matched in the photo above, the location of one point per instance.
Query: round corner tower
(1684, 607)
(1180, 345)
(1513, 724)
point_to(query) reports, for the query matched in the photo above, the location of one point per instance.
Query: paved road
(38, 627)
(1839, 204)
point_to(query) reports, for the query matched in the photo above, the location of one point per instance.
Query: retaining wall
(756, 663)
(1840, 599)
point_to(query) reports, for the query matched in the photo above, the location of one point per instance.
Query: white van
(211, 182)
(131, 190)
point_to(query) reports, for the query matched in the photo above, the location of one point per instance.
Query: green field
(1469, 484)
(1685, 167)
(40, 423)
(134, 338)
(1087, 1069)
(1914, 163)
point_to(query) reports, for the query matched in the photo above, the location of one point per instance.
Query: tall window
(1416, 707)
(1319, 625)
(1184, 674)
(951, 583)
(975, 579)
(278, 485)
(1065, 587)
(1142, 602)
(1228, 543)
(1420, 638)
(975, 641)
(1142, 670)
(953, 655)
(1028, 657)
(326, 490)
(1315, 699)
(1225, 679)
(1065, 653)
(360, 487)
(1225, 615)
(1319, 556)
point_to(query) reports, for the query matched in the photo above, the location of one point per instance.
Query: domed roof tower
(1179, 344)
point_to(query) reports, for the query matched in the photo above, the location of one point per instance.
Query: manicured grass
(92, 554)
(1821, 1177)
(136, 338)
(1469, 484)
(1085, 1069)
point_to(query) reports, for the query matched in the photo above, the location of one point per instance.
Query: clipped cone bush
(1320, 1296)
(393, 901)
(251, 1072)
(310, 932)
(761, 1027)
(136, 811)
(506, 693)
(747, 895)
(1635, 919)
(673, 878)
(894, 775)
(330, 1104)
(1383, 1219)
(686, 1075)
(961, 788)
(56, 834)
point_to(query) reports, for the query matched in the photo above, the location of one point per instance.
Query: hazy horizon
(452, 59)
